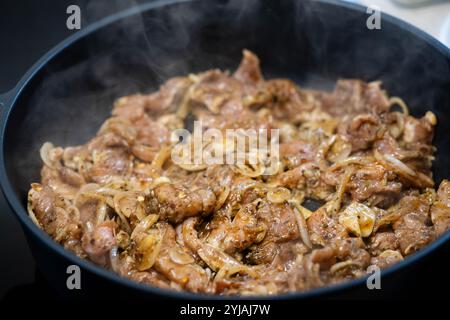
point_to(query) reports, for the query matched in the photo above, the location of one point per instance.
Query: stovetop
(28, 29)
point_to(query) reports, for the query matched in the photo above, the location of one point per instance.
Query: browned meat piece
(214, 89)
(233, 115)
(413, 229)
(280, 220)
(52, 214)
(271, 224)
(386, 259)
(238, 233)
(361, 130)
(176, 202)
(249, 72)
(284, 99)
(412, 163)
(419, 157)
(308, 177)
(262, 254)
(293, 178)
(108, 140)
(343, 256)
(87, 208)
(186, 273)
(130, 107)
(108, 163)
(144, 153)
(440, 211)
(167, 99)
(325, 257)
(418, 130)
(63, 180)
(388, 145)
(382, 241)
(372, 181)
(352, 97)
(98, 242)
(150, 277)
(150, 132)
(353, 249)
(297, 152)
(324, 229)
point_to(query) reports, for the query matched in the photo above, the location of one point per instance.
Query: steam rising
(311, 42)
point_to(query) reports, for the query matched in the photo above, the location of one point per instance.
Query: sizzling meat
(123, 202)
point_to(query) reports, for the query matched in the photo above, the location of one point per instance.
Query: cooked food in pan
(350, 185)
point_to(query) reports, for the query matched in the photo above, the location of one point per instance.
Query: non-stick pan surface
(67, 95)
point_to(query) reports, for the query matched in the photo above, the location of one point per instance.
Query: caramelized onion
(149, 247)
(222, 197)
(398, 101)
(45, 150)
(358, 219)
(302, 227)
(278, 195)
(394, 164)
(180, 257)
(144, 225)
(114, 258)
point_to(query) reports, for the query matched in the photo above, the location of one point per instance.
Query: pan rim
(18, 208)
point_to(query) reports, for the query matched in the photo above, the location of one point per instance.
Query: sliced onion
(102, 210)
(302, 227)
(391, 254)
(398, 101)
(334, 205)
(150, 247)
(215, 258)
(183, 109)
(119, 126)
(340, 150)
(192, 166)
(228, 271)
(343, 264)
(396, 129)
(222, 197)
(180, 257)
(279, 195)
(45, 150)
(251, 171)
(160, 180)
(144, 153)
(423, 178)
(30, 208)
(349, 161)
(396, 165)
(304, 211)
(431, 118)
(122, 239)
(114, 258)
(89, 227)
(144, 225)
(87, 191)
(358, 218)
(161, 157)
(128, 204)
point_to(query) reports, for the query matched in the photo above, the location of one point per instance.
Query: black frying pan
(67, 95)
